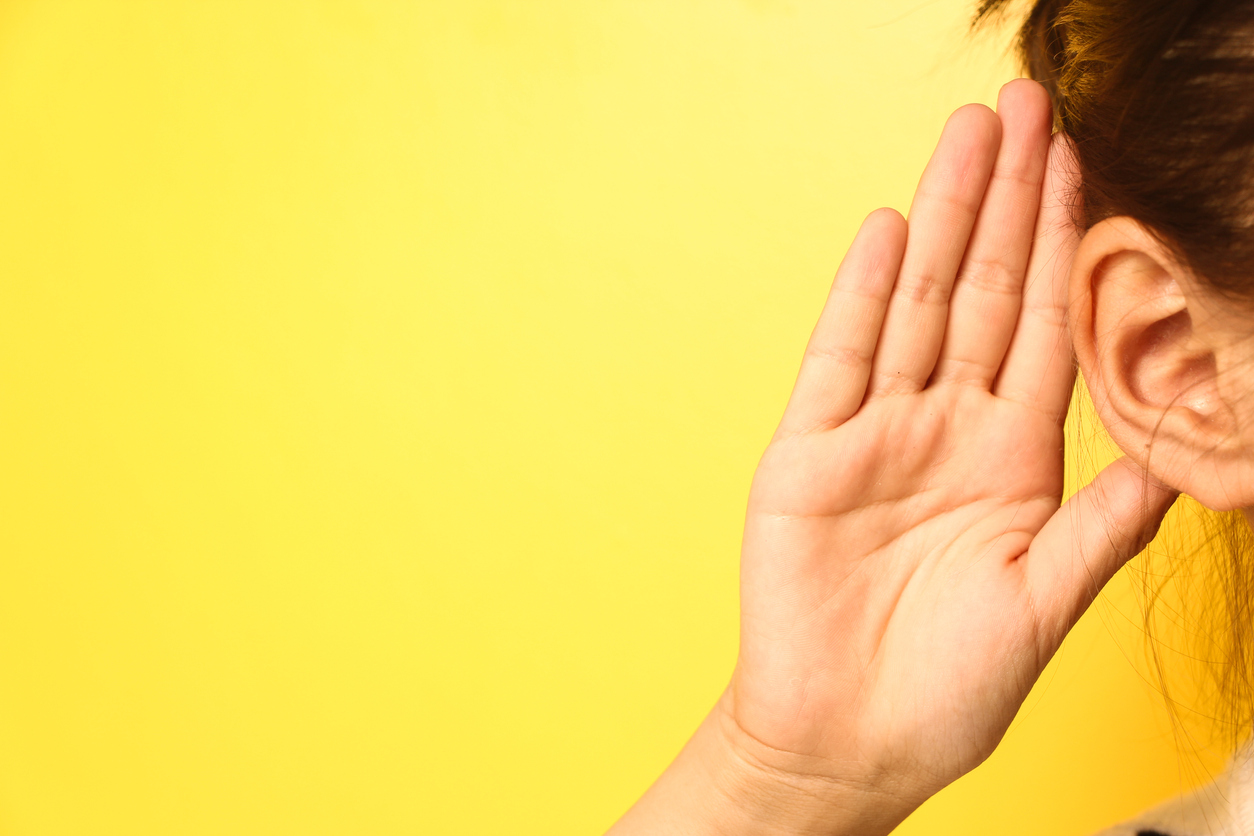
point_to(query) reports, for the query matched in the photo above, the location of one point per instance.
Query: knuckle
(844, 356)
(992, 275)
(964, 371)
(924, 288)
(889, 385)
(1022, 175)
(1046, 318)
(959, 207)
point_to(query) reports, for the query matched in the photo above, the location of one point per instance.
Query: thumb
(1087, 540)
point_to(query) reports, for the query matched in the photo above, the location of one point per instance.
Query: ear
(1149, 344)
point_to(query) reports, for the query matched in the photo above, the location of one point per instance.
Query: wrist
(727, 782)
(801, 794)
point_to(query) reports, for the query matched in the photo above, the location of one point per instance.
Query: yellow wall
(380, 385)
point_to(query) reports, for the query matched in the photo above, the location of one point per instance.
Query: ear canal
(1166, 367)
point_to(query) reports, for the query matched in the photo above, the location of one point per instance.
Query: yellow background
(380, 386)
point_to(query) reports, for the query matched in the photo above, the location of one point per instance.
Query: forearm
(723, 783)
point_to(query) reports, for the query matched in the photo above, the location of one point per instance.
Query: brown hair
(1158, 98)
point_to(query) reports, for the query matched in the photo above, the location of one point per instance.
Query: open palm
(907, 569)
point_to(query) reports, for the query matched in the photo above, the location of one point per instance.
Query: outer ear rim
(1081, 315)
(1168, 447)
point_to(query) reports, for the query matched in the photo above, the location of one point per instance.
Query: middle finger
(940, 221)
(989, 289)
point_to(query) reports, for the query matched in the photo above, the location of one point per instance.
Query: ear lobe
(1149, 360)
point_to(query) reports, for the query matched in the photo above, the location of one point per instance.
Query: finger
(1087, 540)
(940, 222)
(1038, 370)
(988, 292)
(837, 363)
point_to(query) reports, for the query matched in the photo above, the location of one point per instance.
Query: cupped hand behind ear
(907, 570)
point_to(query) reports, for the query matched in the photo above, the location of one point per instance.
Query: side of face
(1169, 363)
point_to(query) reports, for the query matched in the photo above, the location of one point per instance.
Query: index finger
(1039, 370)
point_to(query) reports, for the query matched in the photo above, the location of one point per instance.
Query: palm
(906, 573)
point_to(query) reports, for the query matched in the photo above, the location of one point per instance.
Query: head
(1157, 97)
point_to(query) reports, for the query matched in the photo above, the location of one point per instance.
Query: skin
(907, 569)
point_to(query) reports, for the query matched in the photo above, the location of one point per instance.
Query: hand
(907, 571)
